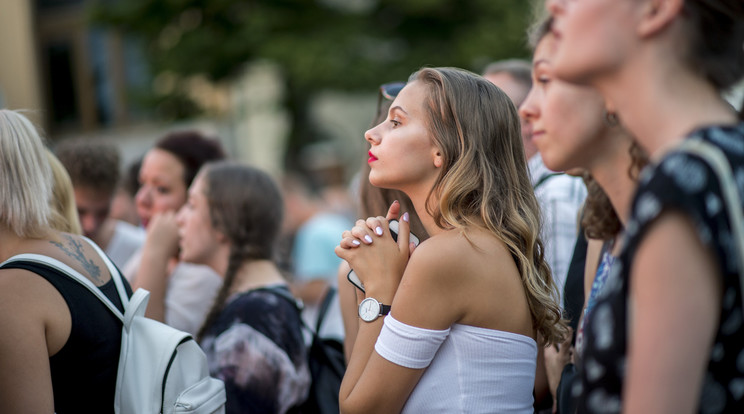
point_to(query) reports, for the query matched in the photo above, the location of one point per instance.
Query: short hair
(25, 176)
(193, 149)
(519, 69)
(93, 164)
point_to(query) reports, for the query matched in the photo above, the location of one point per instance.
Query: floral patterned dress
(684, 183)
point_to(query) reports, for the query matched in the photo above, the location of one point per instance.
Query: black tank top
(84, 370)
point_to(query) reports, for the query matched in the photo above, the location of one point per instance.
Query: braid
(233, 265)
(246, 206)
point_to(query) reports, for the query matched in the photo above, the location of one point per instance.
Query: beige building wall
(19, 80)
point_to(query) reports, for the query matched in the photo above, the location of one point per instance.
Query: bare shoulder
(28, 298)
(454, 255)
(474, 276)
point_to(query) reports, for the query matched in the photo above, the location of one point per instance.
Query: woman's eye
(395, 122)
(543, 80)
(162, 190)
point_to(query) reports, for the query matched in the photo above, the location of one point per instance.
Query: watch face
(369, 309)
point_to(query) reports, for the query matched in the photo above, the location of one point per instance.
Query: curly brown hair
(599, 218)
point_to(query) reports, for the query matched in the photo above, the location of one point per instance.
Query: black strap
(324, 307)
(299, 306)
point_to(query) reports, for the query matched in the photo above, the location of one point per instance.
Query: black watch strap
(384, 309)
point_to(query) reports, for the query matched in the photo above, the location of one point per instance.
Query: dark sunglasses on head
(391, 90)
(388, 91)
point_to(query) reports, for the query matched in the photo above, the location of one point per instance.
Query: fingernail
(355, 242)
(405, 217)
(367, 238)
(378, 230)
(395, 201)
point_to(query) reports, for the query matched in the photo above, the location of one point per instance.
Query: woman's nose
(372, 136)
(554, 6)
(529, 110)
(143, 196)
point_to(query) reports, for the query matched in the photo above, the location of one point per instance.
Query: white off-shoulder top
(470, 369)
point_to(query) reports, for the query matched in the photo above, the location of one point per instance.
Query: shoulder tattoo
(74, 249)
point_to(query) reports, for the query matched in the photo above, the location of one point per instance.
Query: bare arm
(675, 299)
(28, 305)
(349, 303)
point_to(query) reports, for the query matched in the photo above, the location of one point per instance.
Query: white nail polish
(378, 230)
(367, 238)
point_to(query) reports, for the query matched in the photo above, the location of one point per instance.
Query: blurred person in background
(93, 166)
(252, 336)
(123, 206)
(181, 294)
(59, 347)
(313, 229)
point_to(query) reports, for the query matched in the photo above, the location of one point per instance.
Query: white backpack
(161, 369)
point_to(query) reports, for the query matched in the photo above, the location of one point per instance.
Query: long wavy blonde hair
(484, 180)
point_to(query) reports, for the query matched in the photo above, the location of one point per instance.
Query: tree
(347, 45)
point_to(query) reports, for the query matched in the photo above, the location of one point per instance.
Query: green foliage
(352, 45)
(321, 44)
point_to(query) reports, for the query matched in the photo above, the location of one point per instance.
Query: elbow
(349, 407)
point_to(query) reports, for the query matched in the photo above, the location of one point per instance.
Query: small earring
(611, 119)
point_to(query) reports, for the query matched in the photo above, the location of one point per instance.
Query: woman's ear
(221, 237)
(657, 15)
(438, 159)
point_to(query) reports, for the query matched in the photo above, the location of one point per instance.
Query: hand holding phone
(394, 226)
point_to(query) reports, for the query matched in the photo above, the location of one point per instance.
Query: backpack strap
(324, 306)
(113, 270)
(732, 199)
(75, 275)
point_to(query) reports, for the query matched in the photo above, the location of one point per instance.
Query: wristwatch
(371, 309)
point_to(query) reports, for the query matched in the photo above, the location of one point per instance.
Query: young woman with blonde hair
(473, 300)
(59, 348)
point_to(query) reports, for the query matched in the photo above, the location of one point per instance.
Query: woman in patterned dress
(252, 335)
(574, 129)
(664, 335)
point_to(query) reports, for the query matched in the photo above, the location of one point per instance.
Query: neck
(105, 234)
(8, 243)
(665, 103)
(612, 175)
(254, 274)
(418, 197)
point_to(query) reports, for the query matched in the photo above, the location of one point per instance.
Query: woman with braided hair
(252, 335)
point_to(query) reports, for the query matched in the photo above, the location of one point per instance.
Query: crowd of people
(561, 244)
